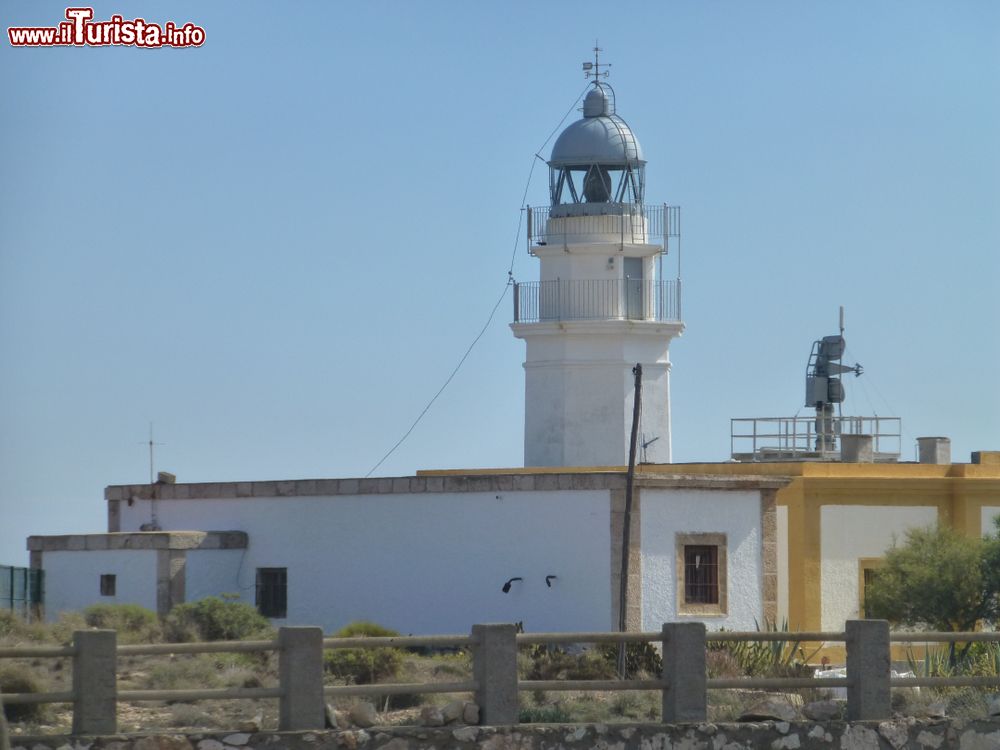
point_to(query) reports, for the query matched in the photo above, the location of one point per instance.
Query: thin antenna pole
(151, 453)
(150, 444)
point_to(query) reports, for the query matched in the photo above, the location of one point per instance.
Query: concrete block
(934, 450)
(586, 481)
(232, 539)
(305, 487)
(286, 488)
(208, 490)
(401, 485)
(182, 492)
(685, 698)
(327, 486)
(418, 484)
(857, 449)
(384, 485)
(114, 493)
(95, 682)
(546, 482)
(348, 487)
(505, 483)
(114, 516)
(565, 481)
(524, 482)
(300, 670)
(265, 489)
(868, 668)
(494, 668)
(435, 484)
(96, 541)
(244, 489)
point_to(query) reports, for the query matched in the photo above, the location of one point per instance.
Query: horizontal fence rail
(597, 299)
(495, 685)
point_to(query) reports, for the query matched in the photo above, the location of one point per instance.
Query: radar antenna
(823, 385)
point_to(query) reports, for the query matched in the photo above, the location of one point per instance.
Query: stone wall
(901, 734)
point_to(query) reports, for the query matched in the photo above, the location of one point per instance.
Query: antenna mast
(150, 443)
(593, 69)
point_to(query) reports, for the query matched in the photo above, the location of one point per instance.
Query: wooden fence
(301, 694)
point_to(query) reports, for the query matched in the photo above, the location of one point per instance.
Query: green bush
(134, 624)
(543, 715)
(214, 619)
(363, 666)
(16, 678)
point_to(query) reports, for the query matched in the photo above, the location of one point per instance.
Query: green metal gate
(22, 590)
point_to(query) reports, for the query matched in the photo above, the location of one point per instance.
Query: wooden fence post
(95, 687)
(685, 697)
(494, 668)
(869, 695)
(300, 670)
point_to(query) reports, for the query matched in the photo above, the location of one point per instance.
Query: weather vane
(593, 69)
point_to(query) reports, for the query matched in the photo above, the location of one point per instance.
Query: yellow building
(835, 520)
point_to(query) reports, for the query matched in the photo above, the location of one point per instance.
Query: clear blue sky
(275, 247)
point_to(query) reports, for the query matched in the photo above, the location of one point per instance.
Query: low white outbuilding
(434, 553)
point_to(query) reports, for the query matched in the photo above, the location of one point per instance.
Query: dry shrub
(15, 629)
(133, 623)
(17, 678)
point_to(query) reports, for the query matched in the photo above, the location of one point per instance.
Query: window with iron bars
(701, 574)
(272, 592)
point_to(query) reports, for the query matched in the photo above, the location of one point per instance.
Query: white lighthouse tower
(601, 305)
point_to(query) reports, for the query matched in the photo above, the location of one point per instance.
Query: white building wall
(419, 563)
(989, 512)
(73, 579)
(214, 572)
(736, 514)
(850, 532)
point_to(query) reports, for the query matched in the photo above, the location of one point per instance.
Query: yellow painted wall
(957, 491)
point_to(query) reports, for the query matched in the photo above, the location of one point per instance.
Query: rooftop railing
(597, 299)
(798, 438)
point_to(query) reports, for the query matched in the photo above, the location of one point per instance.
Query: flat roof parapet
(140, 540)
(492, 480)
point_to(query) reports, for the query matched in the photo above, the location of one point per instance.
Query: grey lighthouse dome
(600, 137)
(596, 162)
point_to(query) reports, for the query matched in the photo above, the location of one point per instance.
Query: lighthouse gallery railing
(597, 299)
(621, 223)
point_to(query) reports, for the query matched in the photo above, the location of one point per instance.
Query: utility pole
(627, 520)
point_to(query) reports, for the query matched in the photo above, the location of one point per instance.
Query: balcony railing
(615, 223)
(798, 438)
(597, 299)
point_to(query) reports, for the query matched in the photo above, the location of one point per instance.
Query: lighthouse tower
(600, 306)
